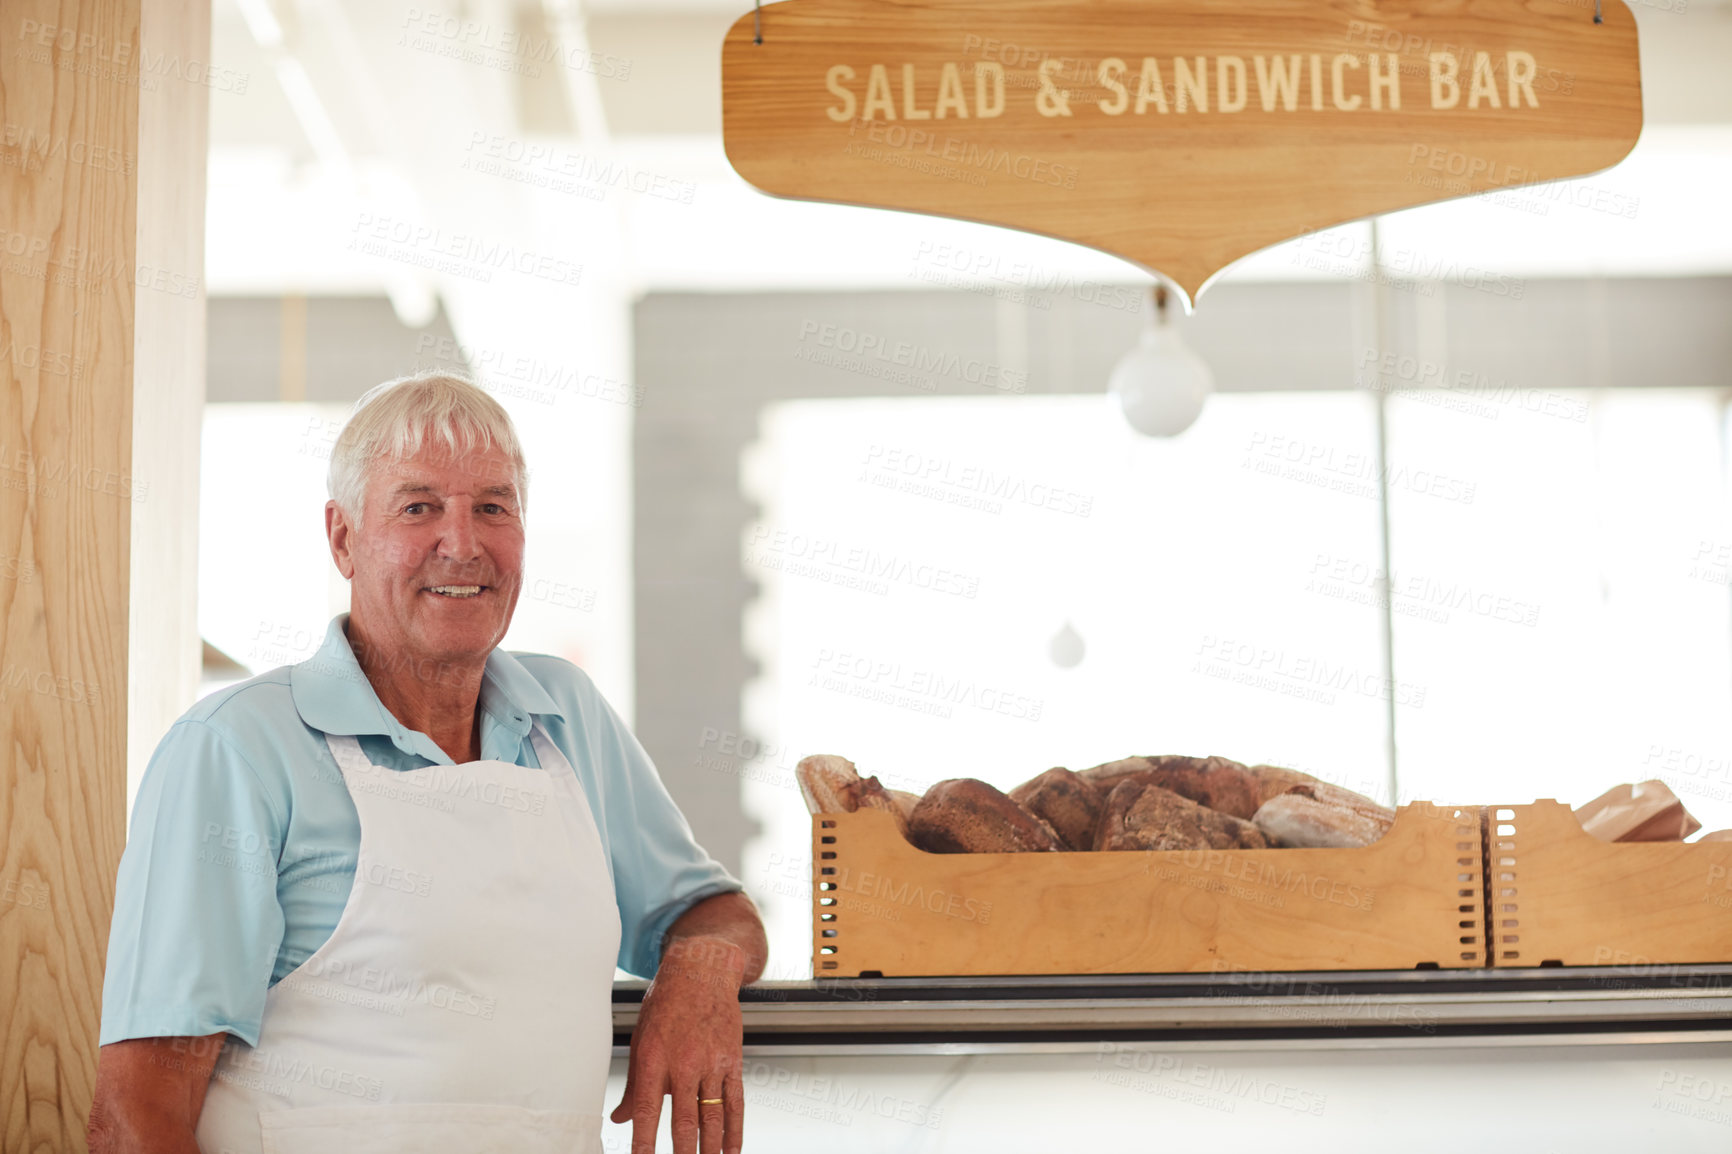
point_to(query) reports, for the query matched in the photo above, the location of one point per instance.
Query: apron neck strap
(346, 749)
(546, 752)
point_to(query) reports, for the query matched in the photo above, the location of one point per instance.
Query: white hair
(395, 420)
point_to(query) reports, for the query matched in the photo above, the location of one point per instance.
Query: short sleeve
(659, 869)
(197, 923)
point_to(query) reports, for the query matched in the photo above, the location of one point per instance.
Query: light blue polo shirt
(244, 838)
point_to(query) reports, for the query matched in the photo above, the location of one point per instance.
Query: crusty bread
(832, 784)
(1273, 781)
(869, 794)
(1638, 811)
(963, 815)
(905, 801)
(829, 783)
(1106, 777)
(1217, 782)
(1301, 819)
(1141, 816)
(1066, 801)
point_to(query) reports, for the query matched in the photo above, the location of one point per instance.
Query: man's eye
(491, 509)
(415, 507)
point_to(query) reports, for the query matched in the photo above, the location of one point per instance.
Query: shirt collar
(333, 696)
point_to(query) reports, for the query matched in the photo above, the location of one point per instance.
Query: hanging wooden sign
(1179, 134)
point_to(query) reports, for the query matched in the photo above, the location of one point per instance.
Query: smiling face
(436, 568)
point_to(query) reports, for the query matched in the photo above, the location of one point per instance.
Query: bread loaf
(870, 794)
(829, 783)
(1067, 802)
(832, 784)
(963, 815)
(1140, 816)
(1273, 781)
(1644, 811)
(1301, 819)
(1347, 799)
(1217, 782)
(905, 801)
(1107, 777)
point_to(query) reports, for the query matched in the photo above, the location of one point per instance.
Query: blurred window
(1561, 619)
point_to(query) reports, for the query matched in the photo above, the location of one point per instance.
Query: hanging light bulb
(1066, 647)
(1161, 384)
(413, 300)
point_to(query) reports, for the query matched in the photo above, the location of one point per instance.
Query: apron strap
(346, 749)
(548, 754)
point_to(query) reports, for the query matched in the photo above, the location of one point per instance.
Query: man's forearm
(142, 1132)
(149, 1094)
(722, 932)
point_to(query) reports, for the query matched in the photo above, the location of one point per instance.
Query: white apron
(463, 1004)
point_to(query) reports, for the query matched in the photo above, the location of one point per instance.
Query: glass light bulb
(413, 300)
(1161, 384)
(1066, 648)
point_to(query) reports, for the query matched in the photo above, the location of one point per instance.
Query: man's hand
(149, 1094)
(688, 1035)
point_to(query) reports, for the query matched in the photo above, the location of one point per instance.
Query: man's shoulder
(565, 681)
(247, 709)
(267, 690)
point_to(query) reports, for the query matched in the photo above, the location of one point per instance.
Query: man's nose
(458, 538)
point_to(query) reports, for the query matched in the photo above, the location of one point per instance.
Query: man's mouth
(457, 591)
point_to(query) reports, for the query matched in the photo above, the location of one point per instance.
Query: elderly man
(373, 902)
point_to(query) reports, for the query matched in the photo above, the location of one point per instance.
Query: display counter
(1611, 1005)
(1610, 1060)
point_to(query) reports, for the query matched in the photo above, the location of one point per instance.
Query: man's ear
(339, 533)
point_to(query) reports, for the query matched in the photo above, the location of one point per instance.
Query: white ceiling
(343, 117)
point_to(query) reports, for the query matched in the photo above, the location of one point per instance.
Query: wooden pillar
(168, 376)
(101, 209)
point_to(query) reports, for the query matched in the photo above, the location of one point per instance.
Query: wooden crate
(1560, 896)
(883, 907)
